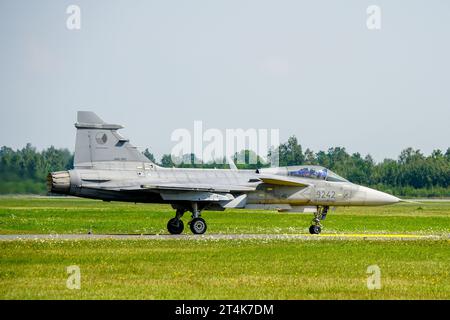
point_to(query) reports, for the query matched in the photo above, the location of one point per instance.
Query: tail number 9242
(328, 195)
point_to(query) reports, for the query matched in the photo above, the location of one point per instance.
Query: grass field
(221, 269)
(70, 215)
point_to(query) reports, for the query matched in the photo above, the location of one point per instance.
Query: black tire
(175, 226)
(198, 226)
(314, 229)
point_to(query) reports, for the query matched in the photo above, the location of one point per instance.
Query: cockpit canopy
(314, 172)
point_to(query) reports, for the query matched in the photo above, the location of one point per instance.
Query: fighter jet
(108, 167)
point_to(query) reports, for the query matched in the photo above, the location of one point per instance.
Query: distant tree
(310, 157)
(248, 159)
(290, 153)
(166, 161)
(410, 155)
(337, 157)
(149, 155)
(413, 173)
(25, 170)
(189, 160)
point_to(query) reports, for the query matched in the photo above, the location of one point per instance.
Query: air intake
(58, 182)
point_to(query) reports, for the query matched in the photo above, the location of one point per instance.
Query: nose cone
(378, 198)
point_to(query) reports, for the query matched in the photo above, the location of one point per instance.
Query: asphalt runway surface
(346, 236)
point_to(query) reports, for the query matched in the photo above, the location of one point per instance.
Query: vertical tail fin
(98, 141)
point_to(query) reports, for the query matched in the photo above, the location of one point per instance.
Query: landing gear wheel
(198, 226)
(175, 226)
(314, 229)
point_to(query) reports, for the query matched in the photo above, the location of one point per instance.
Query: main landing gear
(176, 225)
(320, 214)
(197, 224)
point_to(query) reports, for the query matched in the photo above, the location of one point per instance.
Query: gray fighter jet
(108, 167)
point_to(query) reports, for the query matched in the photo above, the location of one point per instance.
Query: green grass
(220, 269)
(68, 215)
(180, 269)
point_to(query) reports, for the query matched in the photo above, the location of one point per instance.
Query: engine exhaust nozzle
(58, 182)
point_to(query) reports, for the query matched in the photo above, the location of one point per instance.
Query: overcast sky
(309, 68)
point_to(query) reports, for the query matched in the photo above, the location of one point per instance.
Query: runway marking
(344, 236)
(381, 235)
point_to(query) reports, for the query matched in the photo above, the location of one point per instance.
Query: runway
(346, 236)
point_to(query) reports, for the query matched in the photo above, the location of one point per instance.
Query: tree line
(411, 174)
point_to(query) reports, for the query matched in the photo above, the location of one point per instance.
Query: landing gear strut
(320, 214)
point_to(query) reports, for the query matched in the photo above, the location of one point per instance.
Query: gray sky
(310, 68)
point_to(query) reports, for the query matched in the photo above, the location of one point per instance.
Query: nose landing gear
(315, 229)
(320, 214)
